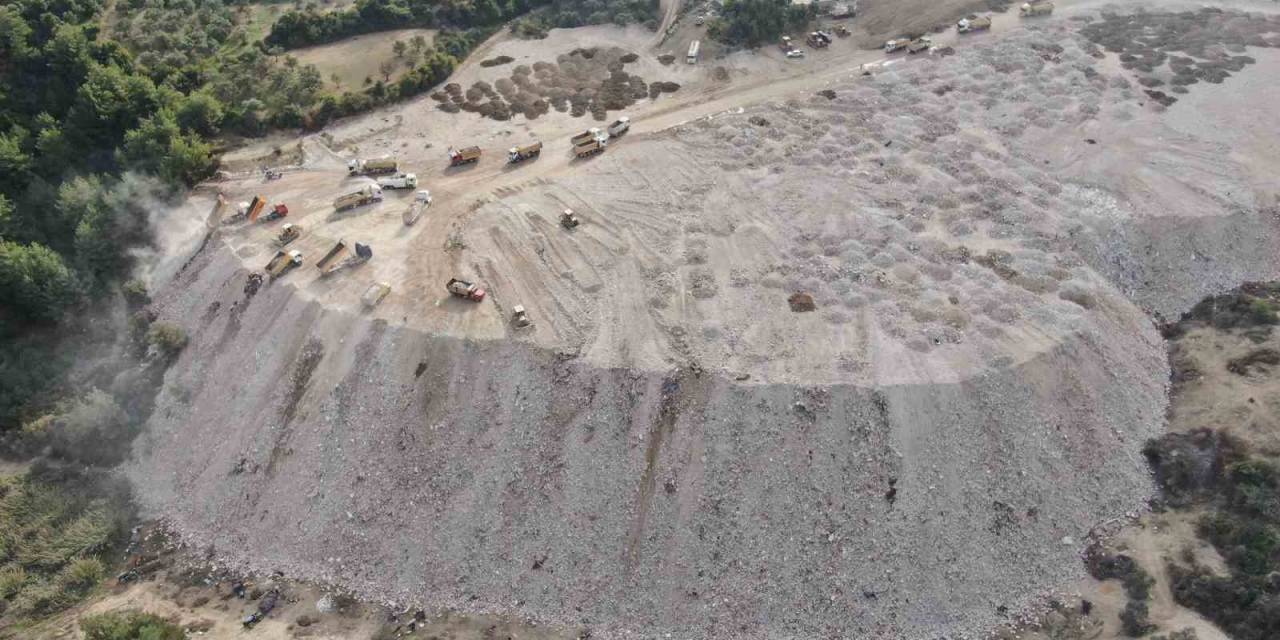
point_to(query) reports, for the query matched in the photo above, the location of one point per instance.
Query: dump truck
(897, 44)
(619, 126)
(464, 289)
(524, 152)
(374, 167)
(282, 262)
(1029, 9)
(922, 43)
(399, 181)
(468, 155)
(247, 210)
(589, 148)
(276, 212)
(337, 259)
(421, 200)
(288, 233)
(520, 317)
(374, 294)
(569, 219)
(973, 23)
(370, 193)
(694, 48)
(594, 133)
(818, 39)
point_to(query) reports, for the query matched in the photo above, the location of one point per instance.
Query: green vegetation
(754, 22)
(1137, 585)
(1241, 493)
(130, 625)
(565, 14)
(57, 527)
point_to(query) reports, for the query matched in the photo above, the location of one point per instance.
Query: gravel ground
(674, 450)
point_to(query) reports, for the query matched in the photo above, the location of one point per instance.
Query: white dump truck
(421, 200)
(619, 126)
(366, 195)
(372, 167)
(399, 181)
(973, 23)
(1029, 9)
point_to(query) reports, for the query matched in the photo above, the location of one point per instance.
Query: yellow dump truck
(282, 262)
(364, 196)
(524, 152)
(373, 167)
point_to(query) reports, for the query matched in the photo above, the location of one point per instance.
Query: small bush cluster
(130, 625)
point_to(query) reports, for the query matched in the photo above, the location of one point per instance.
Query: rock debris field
(682, 444)
(591, 80)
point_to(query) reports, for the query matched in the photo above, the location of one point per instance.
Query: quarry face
(680, 444)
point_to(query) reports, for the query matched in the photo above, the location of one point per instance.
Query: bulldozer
(288, 233)
(569, 219)
(520, 317)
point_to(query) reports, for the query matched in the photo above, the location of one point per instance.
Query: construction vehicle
(288, 233)
(973, 23)
(277, 212)
(282, 262)
(370, 193)
(694, 48)
(923, 43)
(374, 167)
(459, 157)
(520, 317)
(594, 133)
(818, 39)
(337, 259)
(524, 152)
(374, 294)
(589, 148)
(1029, 9)
(842, 31)
(795, 53)
(399, 181)
(897, 44)
(247, 210)
(421, 201)
(619, 127)
(464, 289)
(569, 219)
(785, 45)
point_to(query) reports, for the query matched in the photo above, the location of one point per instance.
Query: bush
(93, 430)
(166, 340)
(130, 625)
(1134, 619)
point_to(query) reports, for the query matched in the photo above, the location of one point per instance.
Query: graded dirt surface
(670, 448)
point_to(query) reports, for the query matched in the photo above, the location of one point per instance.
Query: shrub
(130, 625)
(165, 339)
(1134, 619)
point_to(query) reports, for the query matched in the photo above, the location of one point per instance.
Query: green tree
(111, 102)
(200, 113)
(159, 147)
(35, 282)
(399, 47)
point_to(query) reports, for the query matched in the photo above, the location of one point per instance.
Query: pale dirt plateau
(933, 443)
